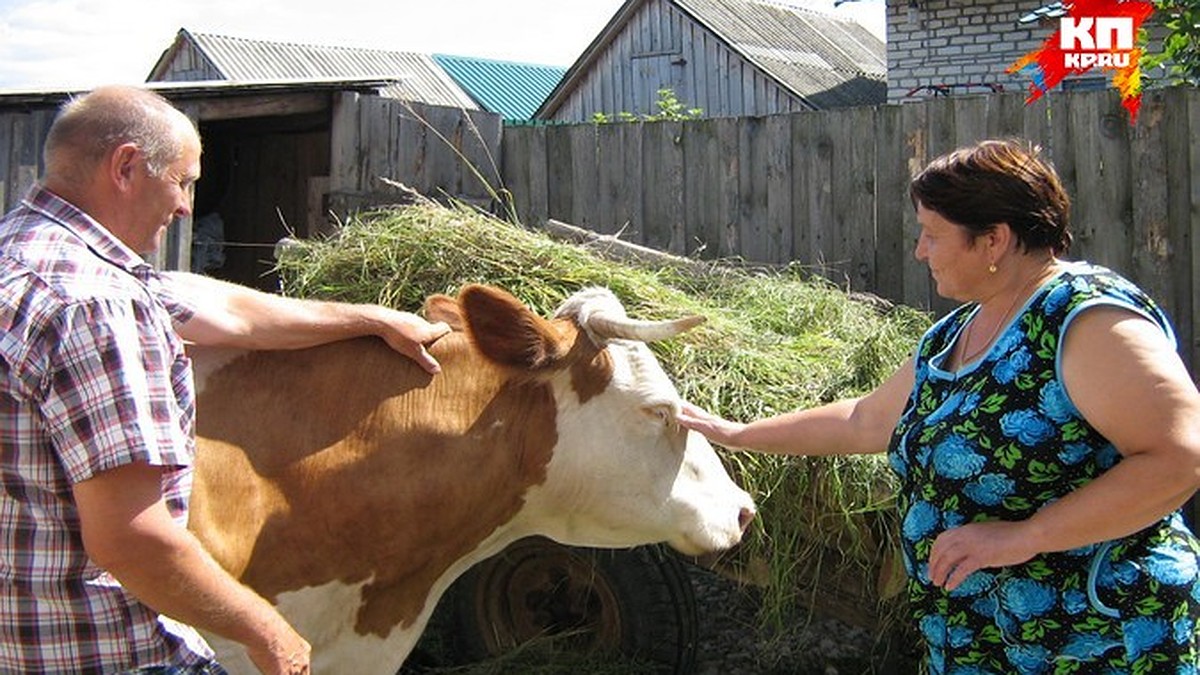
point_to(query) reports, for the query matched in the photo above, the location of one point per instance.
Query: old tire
(638, 602)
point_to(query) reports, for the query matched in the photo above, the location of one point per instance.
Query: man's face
(159, 200)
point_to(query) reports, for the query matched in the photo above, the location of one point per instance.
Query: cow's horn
(609, 326)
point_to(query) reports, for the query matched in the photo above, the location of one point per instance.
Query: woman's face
(957, 263)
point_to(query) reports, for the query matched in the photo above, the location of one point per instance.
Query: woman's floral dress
(999, 439)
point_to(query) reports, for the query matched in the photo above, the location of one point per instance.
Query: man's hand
(290, 656)
(409, 334)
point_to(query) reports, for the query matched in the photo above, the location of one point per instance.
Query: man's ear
(123, 164)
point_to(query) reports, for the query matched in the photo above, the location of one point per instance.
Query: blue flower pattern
(1000, 440)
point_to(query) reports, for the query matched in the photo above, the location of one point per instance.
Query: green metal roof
(512, 90)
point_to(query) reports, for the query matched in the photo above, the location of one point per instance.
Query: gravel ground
(732, 644)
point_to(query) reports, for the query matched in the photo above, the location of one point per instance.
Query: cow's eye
(662, 413)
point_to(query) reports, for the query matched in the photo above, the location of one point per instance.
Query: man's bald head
(91, 126)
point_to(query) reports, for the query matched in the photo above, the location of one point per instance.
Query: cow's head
(623, 473)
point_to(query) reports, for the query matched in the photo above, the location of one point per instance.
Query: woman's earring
(992, 268)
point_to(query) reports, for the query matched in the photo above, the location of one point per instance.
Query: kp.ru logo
(1093, 34)
(1083, 49)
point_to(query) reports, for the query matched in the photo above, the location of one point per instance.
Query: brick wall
(962, 45)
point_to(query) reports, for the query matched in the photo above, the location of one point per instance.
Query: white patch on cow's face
(629, 475)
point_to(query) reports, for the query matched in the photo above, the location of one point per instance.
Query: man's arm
(128, 531)
(231, 315)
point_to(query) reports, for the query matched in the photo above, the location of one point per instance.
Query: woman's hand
(961, 551)
(717, 429)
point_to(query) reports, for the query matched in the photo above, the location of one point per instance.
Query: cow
(350, 487)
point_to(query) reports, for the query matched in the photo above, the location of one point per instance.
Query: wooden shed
(283, 159)
(410, 76)
(728, 58)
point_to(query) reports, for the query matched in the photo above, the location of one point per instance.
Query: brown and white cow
(351, 488)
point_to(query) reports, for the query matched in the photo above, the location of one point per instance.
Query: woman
(1045, 434)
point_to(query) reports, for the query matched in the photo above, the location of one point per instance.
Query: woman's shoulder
(1084, 285)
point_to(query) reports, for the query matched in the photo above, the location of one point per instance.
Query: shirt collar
(92, 233)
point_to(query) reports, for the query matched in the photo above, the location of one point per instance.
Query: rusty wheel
(638, 602)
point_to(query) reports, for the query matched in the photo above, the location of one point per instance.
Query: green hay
(774, 341)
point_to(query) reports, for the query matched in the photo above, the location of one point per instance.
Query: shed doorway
(261, 179)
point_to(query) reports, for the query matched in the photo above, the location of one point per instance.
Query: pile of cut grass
(774, 341)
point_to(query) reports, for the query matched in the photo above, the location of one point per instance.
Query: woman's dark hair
(994, 182)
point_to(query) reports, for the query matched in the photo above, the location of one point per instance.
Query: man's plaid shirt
(92, 377)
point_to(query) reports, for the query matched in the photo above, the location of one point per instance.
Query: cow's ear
(441, 307)
(507, 331)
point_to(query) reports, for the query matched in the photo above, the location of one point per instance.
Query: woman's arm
(852, 426)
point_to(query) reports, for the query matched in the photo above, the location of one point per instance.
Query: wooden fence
(829, 189)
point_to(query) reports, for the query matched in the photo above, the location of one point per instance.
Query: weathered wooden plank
(522, 150)
(803, 170)
(443, 164)
(817, 231)
(970, 119)
(610, 169)
(344, 166)
(852, 192)
(400, 149)
(264, 105)
(941, 127)
(1058, 149)
(752, 201)
(1033, 122)
(629, 199)
(1006, 116)
(560, 183)
(481, 151)
(539, 181)
(376, 125)
(1182, 120)
(914, 125)
(1152, 254)
(893, 248)
(409, 139)
(662, 158)
(777, 231)
(728, 188)
(584, 176)
(702, 176)
(1100, 139)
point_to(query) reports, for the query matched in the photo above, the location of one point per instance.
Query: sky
(78, 44)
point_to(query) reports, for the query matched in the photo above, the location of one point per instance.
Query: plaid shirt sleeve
(117, 390)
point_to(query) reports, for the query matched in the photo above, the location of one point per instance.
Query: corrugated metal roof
(828, 61)
(825, 61)
(417, 77)
(512, 90)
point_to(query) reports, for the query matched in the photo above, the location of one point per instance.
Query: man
(97, 405)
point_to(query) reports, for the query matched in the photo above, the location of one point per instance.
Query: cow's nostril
(744, 517)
